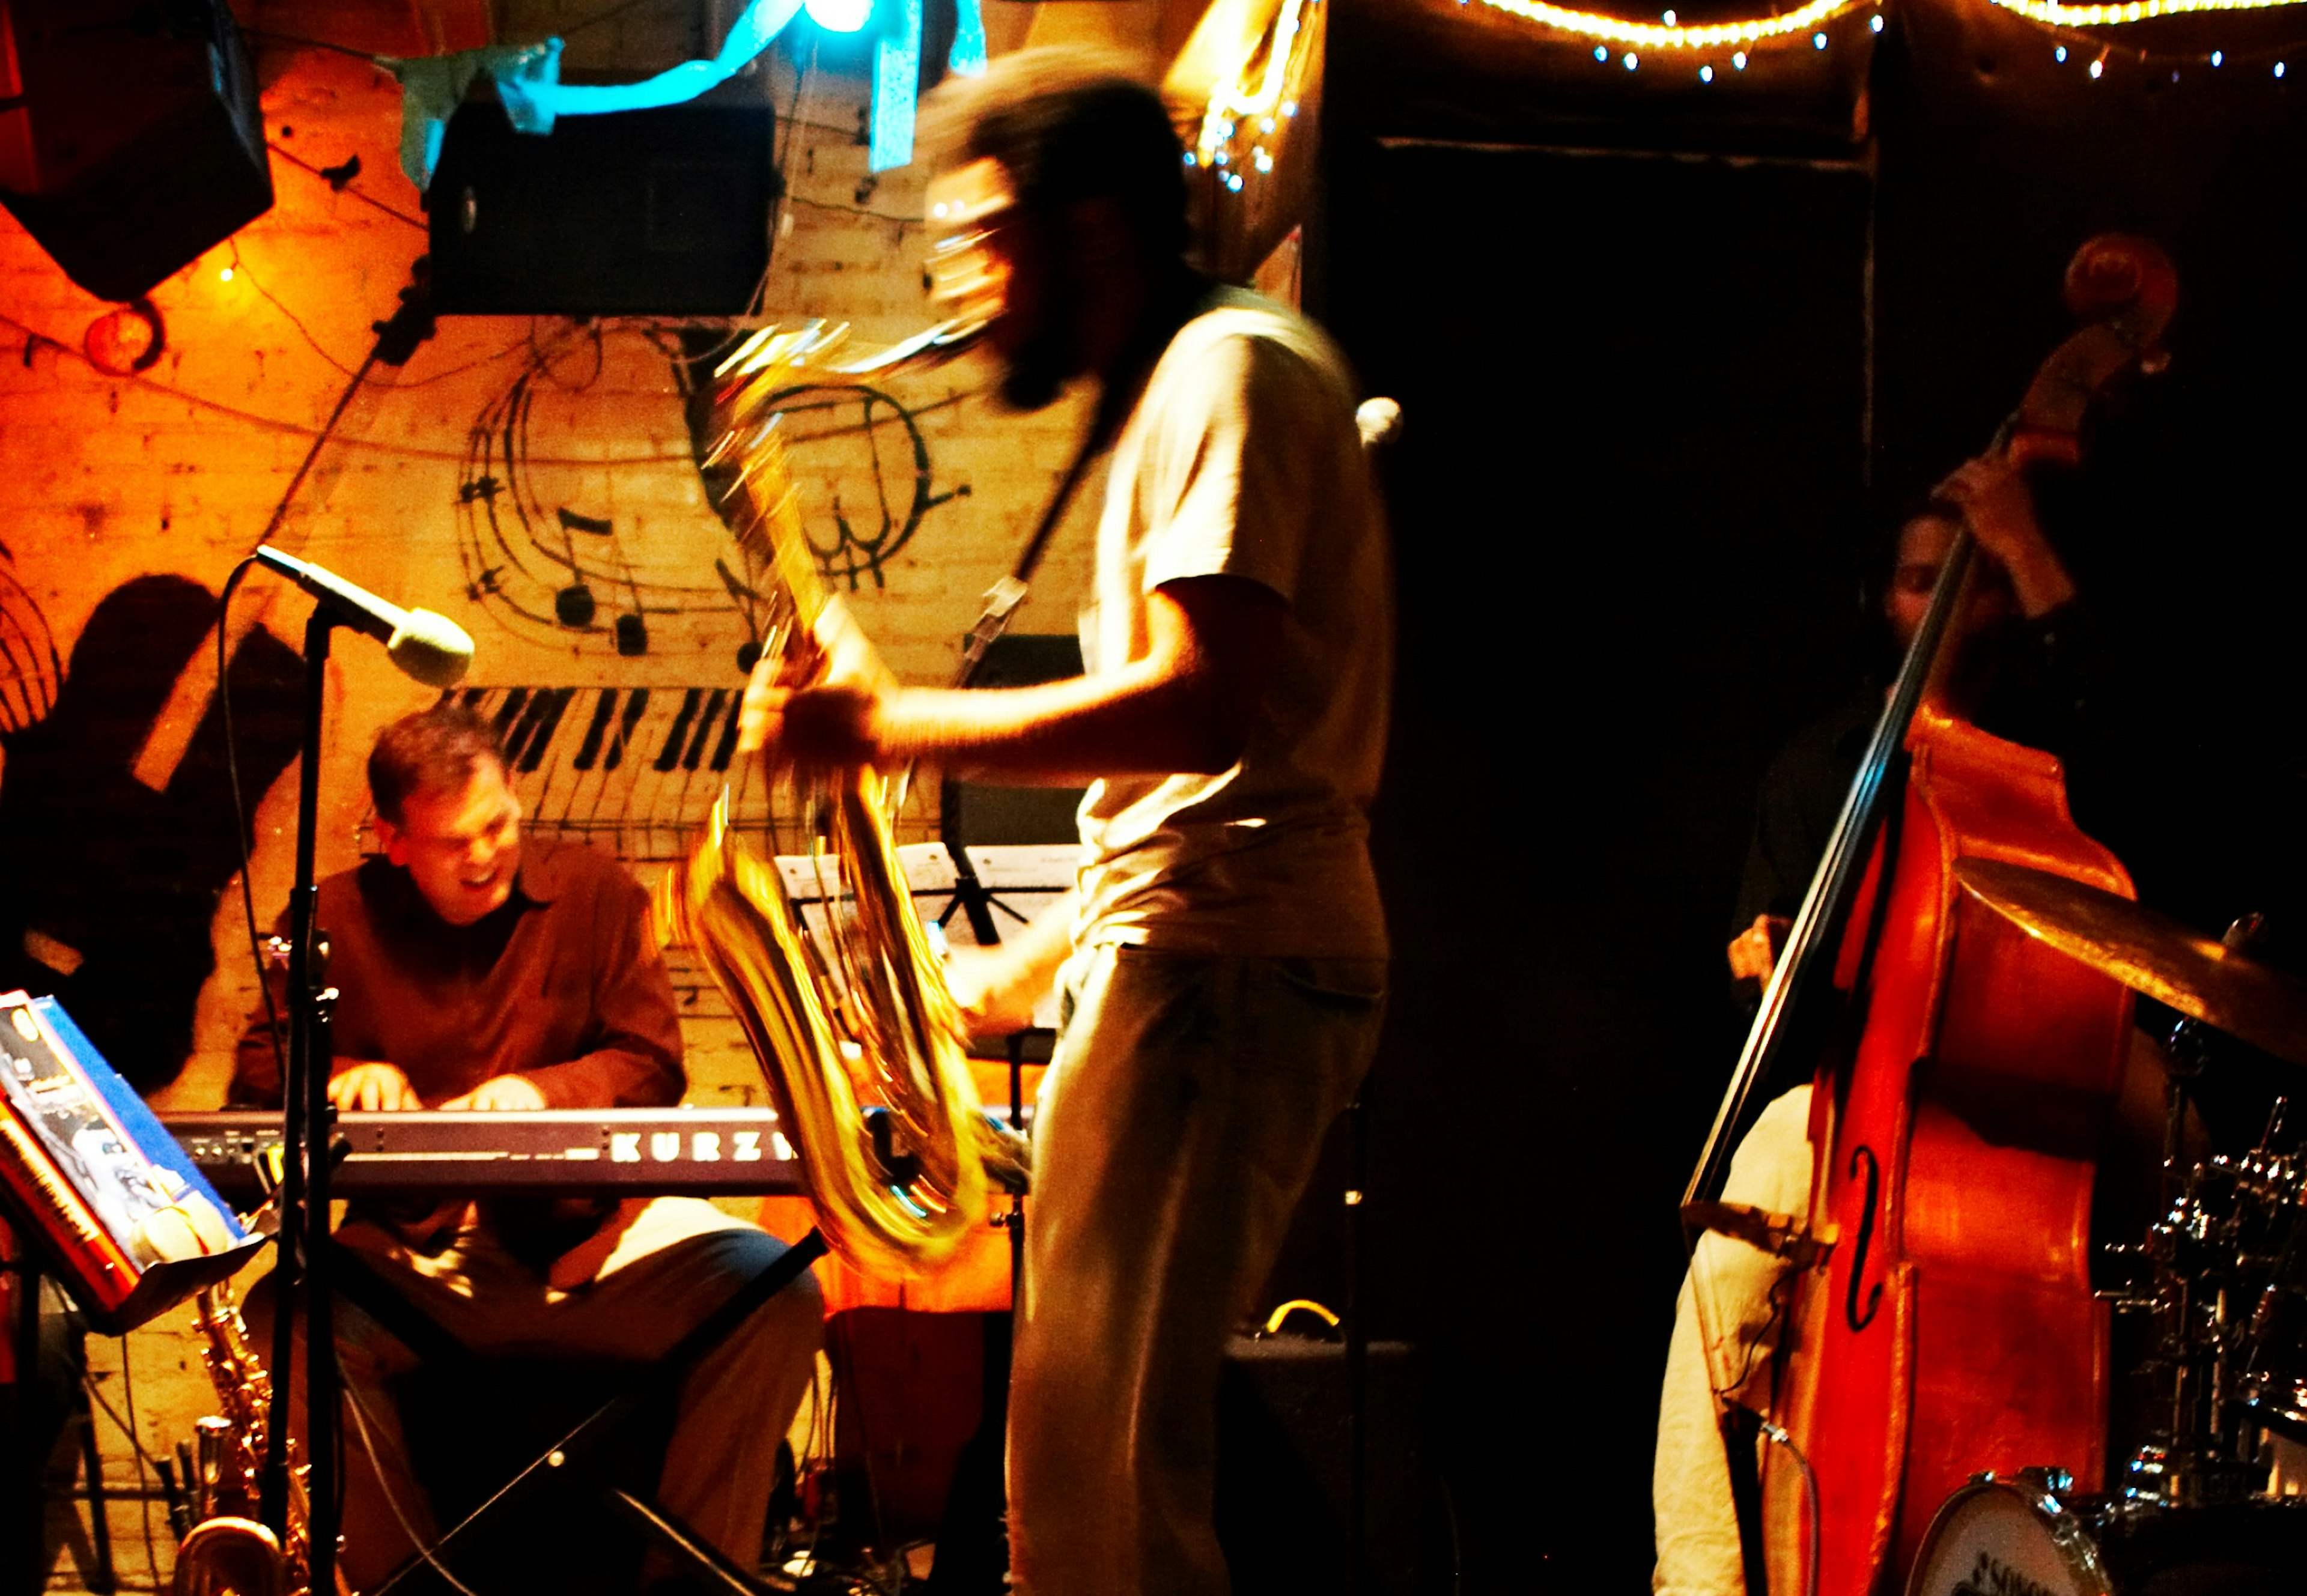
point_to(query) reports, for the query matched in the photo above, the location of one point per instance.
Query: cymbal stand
(2196, 1250)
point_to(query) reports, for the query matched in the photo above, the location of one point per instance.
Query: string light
(1706, 74)
(1251, 108)
(2219, 57)
(2133, 10)
(1665, 34)
(2059, 54)
(1230, 102)
(1616, 30)
(2096, 67)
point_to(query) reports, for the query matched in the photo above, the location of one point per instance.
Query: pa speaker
(130, 137)
(662, 212)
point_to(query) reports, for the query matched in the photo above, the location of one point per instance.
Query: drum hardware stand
(2209, 1452)
(1014, 1221)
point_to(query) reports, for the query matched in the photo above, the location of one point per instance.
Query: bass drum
(2016, 1538)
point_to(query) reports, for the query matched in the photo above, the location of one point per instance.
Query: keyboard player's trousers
(627, 1296)
(1174, 1135)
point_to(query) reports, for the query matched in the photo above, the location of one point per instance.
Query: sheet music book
(126, 1221)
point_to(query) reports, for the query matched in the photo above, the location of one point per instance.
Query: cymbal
(2149, 953)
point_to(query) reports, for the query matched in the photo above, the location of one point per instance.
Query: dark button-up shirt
(563, 985)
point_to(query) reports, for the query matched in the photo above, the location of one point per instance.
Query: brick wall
(179, 473)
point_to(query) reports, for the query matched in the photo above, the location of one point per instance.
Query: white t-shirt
(1242, 460)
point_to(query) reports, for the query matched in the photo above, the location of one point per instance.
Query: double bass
(1941, 1320)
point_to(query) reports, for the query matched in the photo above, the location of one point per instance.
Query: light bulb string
(1232, 104)
(2062, 19)
(1587, 24)
(1235, 102)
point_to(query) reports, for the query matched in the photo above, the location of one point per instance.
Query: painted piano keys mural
(632, 770)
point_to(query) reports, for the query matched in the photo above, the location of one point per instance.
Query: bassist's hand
(1755, 952)
(2000, 508)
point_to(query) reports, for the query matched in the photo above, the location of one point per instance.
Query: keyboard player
(477, 972)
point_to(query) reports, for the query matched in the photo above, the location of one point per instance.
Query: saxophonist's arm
(998, 988)
(1186, 704)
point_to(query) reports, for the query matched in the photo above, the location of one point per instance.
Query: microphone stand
(301, 1261)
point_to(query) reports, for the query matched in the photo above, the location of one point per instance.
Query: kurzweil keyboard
(661, 1152)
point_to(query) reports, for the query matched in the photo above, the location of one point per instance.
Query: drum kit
(2204, 1507)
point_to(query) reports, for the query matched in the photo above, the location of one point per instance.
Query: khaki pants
(1697, 1527)
(655, 1270)
(1177, 1129)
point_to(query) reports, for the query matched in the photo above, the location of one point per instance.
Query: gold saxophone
(228, 1552)
(859, 1016)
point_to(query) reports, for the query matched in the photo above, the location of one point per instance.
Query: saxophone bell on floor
(227, 1551)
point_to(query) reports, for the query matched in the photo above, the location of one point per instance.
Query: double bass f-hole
(1852, 1314)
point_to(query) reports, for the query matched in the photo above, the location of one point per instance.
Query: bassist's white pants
(1690, 1482)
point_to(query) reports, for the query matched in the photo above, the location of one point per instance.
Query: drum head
(2001, 1539)
(2007, 1538)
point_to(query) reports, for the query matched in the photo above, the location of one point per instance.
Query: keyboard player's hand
(500, 1093)
(372, 1087)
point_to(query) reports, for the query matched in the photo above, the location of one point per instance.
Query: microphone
(433, 648)
(1378, 420)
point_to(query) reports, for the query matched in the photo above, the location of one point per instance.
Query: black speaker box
(662, 212)
(129, 136)
(1286, 1453)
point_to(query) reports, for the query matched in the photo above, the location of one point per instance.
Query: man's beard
(1033, 377)
(1036, 376)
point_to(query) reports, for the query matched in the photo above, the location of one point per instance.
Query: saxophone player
(478, 971)
(1224, 959)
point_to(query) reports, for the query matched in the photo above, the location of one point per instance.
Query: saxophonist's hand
(822, 727)
(818, 707)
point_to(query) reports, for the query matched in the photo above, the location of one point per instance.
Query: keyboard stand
(659, 1381)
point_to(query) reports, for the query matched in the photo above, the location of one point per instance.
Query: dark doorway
(1628, 503)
